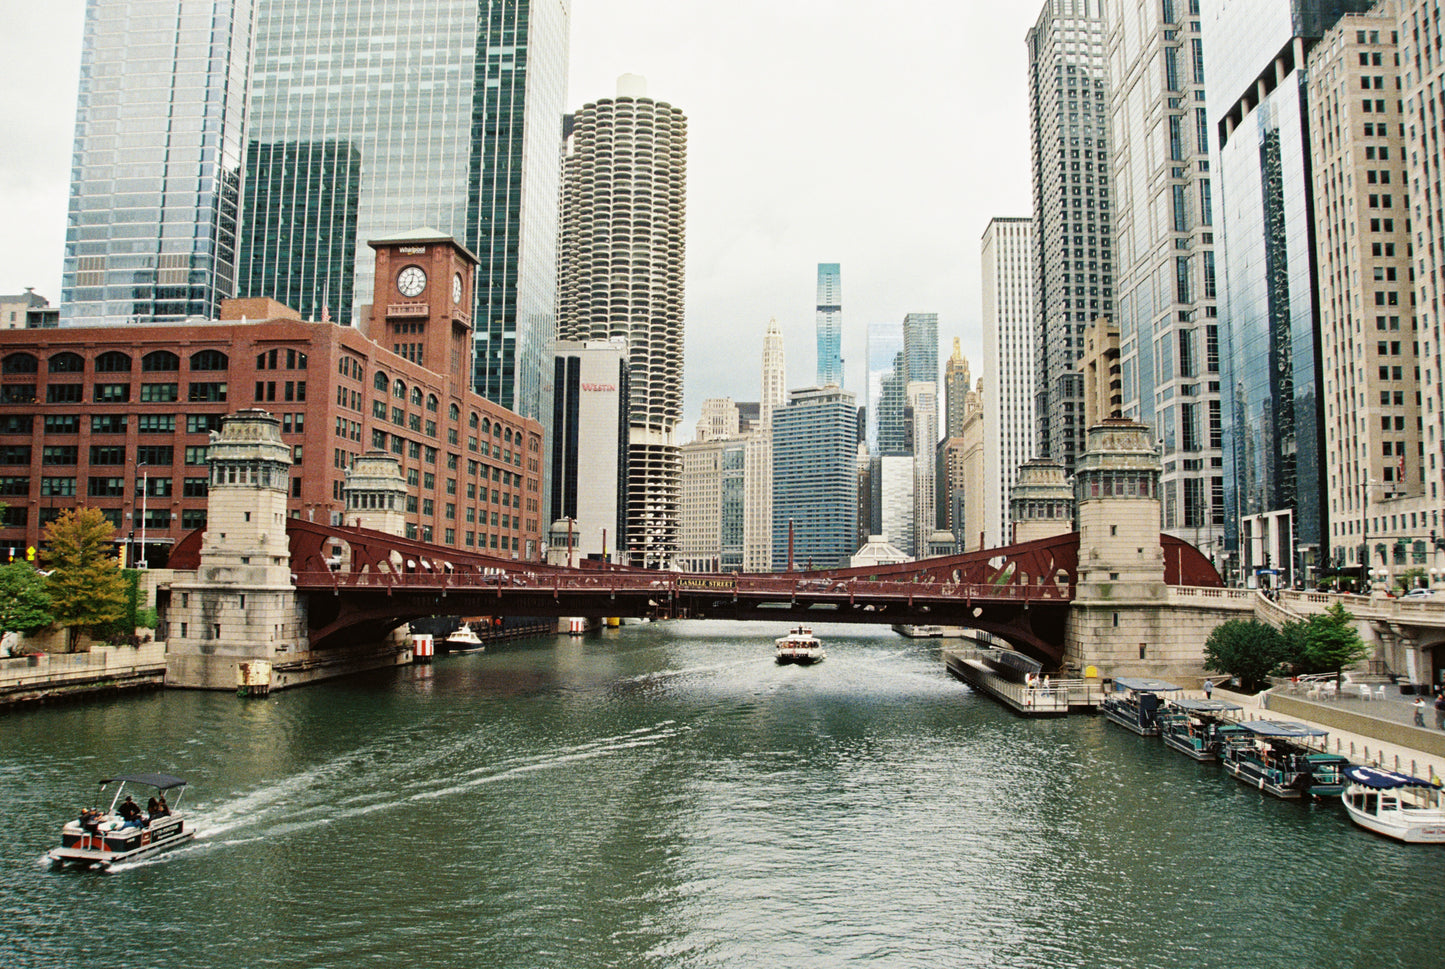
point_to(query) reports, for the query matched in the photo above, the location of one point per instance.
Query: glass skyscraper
(815, 481)
(453, 112)
(885, 343)
(830, 324)
(156, 173)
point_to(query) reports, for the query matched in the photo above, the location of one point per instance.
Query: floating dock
(1059, 699)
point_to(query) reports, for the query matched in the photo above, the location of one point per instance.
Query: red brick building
(118, 418)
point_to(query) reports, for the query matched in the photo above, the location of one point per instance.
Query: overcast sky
(879, 136)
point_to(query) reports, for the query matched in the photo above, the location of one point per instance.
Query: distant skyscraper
(1008, 359)
(815, 484)
(719, 419)
(957, 384)
(1073, 230)
(155, 187)
(623, 275)
(920, 347)
(589, 445)
(885, 343)
(441, 113)
(1168, 334)
(923, 404)
(1275, 487)
(775, 375)
(758, 467)
(830, 324)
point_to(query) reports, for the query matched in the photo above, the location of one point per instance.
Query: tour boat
(464, 639)
(799, 646)
(1135, 703)
(1192, 727)
(100, 838)
(1283, 758)
(1397, 806)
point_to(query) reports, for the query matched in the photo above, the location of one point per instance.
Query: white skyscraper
(1008, 360)
(758, 476)
(923, 399)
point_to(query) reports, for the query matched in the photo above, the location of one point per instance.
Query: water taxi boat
(1135, 703)
(1398, 806)
(464, 639)
(799, 646)
(1192, 727)
(123, 831)
(1283, 758)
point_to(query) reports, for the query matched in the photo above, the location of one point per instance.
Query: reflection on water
(666, 796)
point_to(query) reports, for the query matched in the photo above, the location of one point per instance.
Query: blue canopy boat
(1192, 727)
(1135, 703)
(1408, 809)
(1283, 758)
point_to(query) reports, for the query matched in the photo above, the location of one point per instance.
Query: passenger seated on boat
(130, 813)
(162, 809)
(90, 820)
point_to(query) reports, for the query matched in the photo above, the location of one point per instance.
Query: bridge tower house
(241, 606)
(1041, 503)
(1120, 621)
(375, 493)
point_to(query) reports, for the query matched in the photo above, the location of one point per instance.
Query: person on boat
(90, 820)
(153, 806)
(130, 812)
(165, 809)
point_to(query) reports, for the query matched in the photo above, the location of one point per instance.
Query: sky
(879, 136)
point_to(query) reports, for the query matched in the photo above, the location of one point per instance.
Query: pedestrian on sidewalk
(1419, 711)
(1208, 688)
(1440, 711)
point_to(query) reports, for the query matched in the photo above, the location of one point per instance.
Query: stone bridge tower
(375, 493)
(241, 607)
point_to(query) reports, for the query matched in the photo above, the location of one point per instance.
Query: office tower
(830, 324)
(1368, 337)
(719, 419)
(885, 343)
(160, 131)
(775, 375)
(923, 404)
(623, 241)
(758, 464)
(920, 347)
(814, 479)
(1264, 217)
(700, 505)
(976, 495)
(891, 500)
(1008, 357)
(1073, 225)
(957, 383)
(1167, 318)
(588, 448)
(1421, 30)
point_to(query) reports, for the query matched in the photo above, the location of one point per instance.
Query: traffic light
(1266, 560)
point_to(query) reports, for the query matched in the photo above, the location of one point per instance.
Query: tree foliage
(1334, 642)
(87, 589)
(1244, 648)
(24, 599)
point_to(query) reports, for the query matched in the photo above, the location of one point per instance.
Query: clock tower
(421, 308)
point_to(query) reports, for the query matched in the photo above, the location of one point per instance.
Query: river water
(665, 796)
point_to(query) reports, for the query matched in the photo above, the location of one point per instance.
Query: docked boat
(799, 646)
(1135, 703)
(123, 831)
(1193, 727)
(464, 639)
(1283, 758)
(1398, 806)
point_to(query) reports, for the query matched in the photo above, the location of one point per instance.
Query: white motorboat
(123, 831)
(464, 639)
(799, 646)
(1398, 806)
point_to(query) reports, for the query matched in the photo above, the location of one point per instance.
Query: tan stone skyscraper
(622, 274)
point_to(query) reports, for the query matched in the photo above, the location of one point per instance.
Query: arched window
(474, 420)
(416, 396)
(210, 360)
(487, 426)
(380, 381)
(433, 405)
(67, 363)
(398, 390)
(20, 363)
(112, 362)
(507, 436)
(160, 361)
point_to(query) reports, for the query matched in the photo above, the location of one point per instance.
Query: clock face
(457, 288)
(411, 281)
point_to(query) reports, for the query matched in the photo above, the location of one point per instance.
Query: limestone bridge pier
(313, 600)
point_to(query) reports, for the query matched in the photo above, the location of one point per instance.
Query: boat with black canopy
(122, 831)
(1408, 809)
(1135, 703)
(1193, 727)
(1284, 758)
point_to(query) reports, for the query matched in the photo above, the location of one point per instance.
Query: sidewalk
(1378, 732)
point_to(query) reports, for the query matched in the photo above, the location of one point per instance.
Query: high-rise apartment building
(1073, 224)
(1422, 36)
(1265, 218)
(623, 244)
(815, 442)
(1368, 336)
(156, 173)
(830, 324)
(1008, 357)
(920, 347)
(1165, 287)
(758, 466)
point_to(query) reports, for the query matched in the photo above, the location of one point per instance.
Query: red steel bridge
(1020, 593)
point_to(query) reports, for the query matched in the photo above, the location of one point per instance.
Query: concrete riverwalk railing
(30, 677)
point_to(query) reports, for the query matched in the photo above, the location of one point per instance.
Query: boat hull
(1128, 718)
(1191, 747)
(800, 658)
(108, 848)
(1261, 778)
(1421, 833)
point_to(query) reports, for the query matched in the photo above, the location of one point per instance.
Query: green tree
(87, 590)
(24, 599)
(1334, 643)
(1244, 648)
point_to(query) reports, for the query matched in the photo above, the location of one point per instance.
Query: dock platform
(1060, 699)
